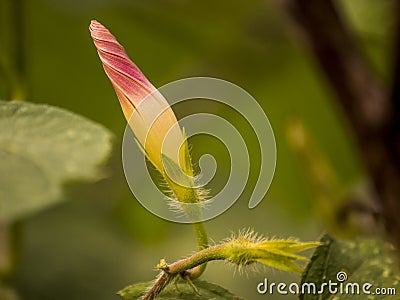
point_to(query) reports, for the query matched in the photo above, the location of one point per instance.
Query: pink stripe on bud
(148, 113)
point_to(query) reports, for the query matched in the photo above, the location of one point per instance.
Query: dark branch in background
(394, 136)
(372, 112)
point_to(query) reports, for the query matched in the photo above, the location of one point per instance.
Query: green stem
(217, 252)
(12, 58)
(189, 196)
(182, 183)
(182, 267)
(201, 234)
(242, 251)
(202, 242)
(9, 242)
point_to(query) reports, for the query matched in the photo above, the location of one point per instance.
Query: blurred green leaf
(363, 261)
(207, 291)
(41, 147)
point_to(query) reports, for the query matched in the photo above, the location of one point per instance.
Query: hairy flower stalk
(244, 250)
(153, 123)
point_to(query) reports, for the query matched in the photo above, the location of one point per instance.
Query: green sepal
(289, 246)
(181, 184)
(173, 172)
(284, 265)
(279, 254)
(141, 148)
(187, 159)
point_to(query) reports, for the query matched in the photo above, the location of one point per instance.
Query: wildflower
(147, 111)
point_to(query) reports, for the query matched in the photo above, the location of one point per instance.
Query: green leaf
(185, 291)
(41, 147)
(363, 261)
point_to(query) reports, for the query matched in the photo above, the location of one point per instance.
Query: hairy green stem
(182, 268)
(217, 252)
(201, 234)
(188, 194)
(242, 251)
(202, 241)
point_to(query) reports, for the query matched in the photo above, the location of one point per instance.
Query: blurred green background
(101, 239)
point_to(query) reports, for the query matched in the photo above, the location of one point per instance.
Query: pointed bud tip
(96, 28)
(94, 24)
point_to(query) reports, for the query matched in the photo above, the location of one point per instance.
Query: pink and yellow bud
(148, 113)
